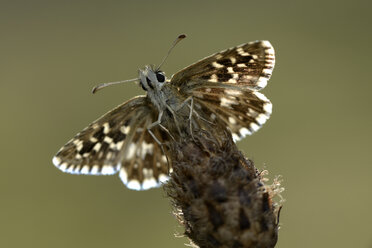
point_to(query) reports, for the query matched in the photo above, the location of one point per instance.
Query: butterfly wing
(248, 66)
(242, 111)
(115, 142)
(144, 164)
(225, 86)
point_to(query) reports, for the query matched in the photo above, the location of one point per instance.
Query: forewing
(248, 66)
(242, 111)
(103, 147)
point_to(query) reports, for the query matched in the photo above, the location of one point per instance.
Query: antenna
(179, 38)
(101, 86)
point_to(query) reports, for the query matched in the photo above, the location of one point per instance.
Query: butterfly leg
(203, 119)
(175, 119)
(167, 131)
(192, 111)
(154, 124)
(191, 106)
(158, 123)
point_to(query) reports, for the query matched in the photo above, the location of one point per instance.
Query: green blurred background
(318, 138)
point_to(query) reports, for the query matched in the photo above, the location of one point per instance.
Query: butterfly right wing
(243, 112)
(226, 86)
(248, 66)
(114, 142)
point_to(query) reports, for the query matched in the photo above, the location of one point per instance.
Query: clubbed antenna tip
(178, 39)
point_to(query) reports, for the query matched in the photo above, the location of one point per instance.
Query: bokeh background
(318, 138)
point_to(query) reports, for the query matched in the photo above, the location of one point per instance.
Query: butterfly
(219, 91)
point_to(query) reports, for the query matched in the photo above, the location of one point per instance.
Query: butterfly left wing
(119, 140)
(144, 164)
(248, 66)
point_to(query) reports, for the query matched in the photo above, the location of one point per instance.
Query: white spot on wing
(268, 46)
(125, 130)
(252, 113)
(146, 149)
(108, 170)
(56, 161)
(70, 169)
(123, 176)
(77, 169)
(116, 146)
(63, 167)
(79, 145)
(261, 83)
(85, 169)
(106, 128)
(213, 79)
(267, 71)
(163, 178)
(107, 139)
(217, 65)
(233, 92)
(225, 102)
(254, 126)
(149, 183)
(94, 170)
(232, 120)
(244, 132)
(97, 146)
(261, 96)
(147, 173)
(131, 151)
(268, 107)
(261, 119)
(235, 137)
(134, 185)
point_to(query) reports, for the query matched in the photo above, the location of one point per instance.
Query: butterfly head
(150, 79)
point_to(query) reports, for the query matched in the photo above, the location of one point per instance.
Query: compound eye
(143, 87)
(148, 80)
(160, 77)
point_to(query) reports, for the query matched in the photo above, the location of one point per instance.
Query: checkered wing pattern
(246, 66)
(119, 142)
(243, 112)
(226, 84)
